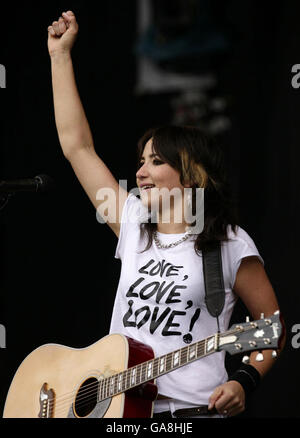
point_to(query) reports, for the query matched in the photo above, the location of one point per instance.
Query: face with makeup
(156, 180)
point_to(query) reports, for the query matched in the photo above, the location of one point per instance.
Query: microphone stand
(4, 200)
(42, 183)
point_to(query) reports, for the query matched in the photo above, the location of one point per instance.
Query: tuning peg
(274, 354)
(247, 319)
(246, 359)
(262, 315)
(259, 357)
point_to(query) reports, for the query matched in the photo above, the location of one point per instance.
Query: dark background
(58, 272)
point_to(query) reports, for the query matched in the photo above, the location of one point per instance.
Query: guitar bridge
(46, 402)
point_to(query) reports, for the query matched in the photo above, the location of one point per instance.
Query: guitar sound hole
(86, 398)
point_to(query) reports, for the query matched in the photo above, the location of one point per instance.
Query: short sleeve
(240, 246)
(132, 215)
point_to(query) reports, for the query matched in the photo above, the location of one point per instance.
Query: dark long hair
(198, 158)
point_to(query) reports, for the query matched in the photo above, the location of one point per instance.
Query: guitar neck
(149, 370)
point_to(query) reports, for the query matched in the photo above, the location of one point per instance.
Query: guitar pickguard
(100, 407)
(98, 412)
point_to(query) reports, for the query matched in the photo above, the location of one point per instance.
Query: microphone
(40, 183)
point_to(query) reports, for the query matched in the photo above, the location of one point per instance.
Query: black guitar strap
(213, 280)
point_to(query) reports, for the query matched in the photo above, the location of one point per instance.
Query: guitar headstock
(262, 334)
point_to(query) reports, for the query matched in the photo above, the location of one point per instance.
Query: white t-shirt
(160, 301)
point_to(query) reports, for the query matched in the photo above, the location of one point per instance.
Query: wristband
(248, 377)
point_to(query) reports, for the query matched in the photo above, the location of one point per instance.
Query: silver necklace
(159, 244)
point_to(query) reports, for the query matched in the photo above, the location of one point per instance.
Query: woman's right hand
(62, 33)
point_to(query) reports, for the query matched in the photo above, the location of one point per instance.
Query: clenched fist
(62, 33)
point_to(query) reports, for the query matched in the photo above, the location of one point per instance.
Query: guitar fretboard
(154, 368)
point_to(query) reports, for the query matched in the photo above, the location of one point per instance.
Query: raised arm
(73, 128)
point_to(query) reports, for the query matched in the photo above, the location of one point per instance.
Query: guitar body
(114, 377)
(65, 375)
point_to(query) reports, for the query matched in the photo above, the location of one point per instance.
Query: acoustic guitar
(115, 377)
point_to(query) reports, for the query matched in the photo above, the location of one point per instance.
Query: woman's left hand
(228, 399)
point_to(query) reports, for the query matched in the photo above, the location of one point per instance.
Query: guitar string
(87, 398)
(105, 384)
(125, 372)
(89, 391)
(105, 387)
(85, 394)
(90, 395)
